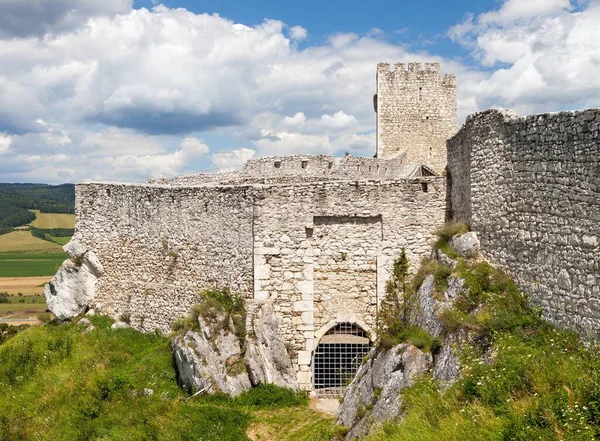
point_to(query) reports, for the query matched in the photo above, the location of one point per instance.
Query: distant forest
(17, 199)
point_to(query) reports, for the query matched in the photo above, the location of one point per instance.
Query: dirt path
(328, 406)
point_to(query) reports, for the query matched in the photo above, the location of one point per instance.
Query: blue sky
(124, 90)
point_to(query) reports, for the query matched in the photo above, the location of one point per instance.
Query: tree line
(17, 199)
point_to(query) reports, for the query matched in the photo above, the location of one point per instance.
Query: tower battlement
(416, 112)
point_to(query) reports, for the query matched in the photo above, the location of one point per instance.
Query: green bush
(268, 396)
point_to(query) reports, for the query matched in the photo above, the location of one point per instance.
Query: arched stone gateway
(337, 357)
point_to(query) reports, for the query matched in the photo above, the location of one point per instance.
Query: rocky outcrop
(73, 288)
(215, 360)
(266, 357)
(466, 244)
(374, 395)
(211, 359)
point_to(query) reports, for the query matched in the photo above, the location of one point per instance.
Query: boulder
(73, 287)
(429, 304)
(86, 325)
(447, 366)
(266, 357)
(466, 244)
(374, 395)
(211, 359)
(120, 325)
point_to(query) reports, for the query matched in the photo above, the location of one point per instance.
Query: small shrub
(269, 396)
(448, 231)
(431, 267)
(45, 317)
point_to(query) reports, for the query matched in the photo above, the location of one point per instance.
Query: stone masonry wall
(416, 112)
(160, 246)
(315, 242)
(297, 169)
(530, 187)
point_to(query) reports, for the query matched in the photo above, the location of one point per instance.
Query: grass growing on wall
(58, 383)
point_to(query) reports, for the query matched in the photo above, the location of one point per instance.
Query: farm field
(29, 308)
(23, 241)
(28, 286)
(30, 264)
(53, 220)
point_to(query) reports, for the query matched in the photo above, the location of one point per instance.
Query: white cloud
(513, 10)
(119, 96)
(298, 33)
(233, 160)
(549, 51)
(194, 146)
(5, 142)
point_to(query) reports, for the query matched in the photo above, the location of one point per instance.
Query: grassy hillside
(22, 241)
(59, 383)
(53, 220)
(522, 379)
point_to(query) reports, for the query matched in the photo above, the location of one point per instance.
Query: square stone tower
(416, 113)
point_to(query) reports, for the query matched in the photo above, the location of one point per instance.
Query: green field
(35, 308)
(30, 265)
(53, 220)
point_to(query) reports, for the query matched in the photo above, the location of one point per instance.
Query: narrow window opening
(277, 164)
(304, 164)
(424, 187)
(331, 165)
(309, 232)
(149, 198)
(108, 192)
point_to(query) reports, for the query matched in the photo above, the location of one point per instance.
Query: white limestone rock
(389, 373)
(120, 325)
(211, 359)
(447, 366)
(86, 325)
(466, 244)
(266, 357)
(443, 258)
(429, 305)
(73, 287)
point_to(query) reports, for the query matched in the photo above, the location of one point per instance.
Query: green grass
(522, 379)
(58, 383)
(59, 240)
(30, 264)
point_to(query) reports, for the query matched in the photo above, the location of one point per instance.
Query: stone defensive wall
(320, 252)
(530, 187)
(300, 168)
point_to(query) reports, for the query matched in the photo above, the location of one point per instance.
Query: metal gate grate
(337, 358)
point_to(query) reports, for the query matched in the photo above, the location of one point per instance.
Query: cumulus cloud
(546, 50)
(24, 18)
(233, 160)
(298, 33)
(5, 142)
(117, 96)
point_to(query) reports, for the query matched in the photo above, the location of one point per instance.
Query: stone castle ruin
(314, 237)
